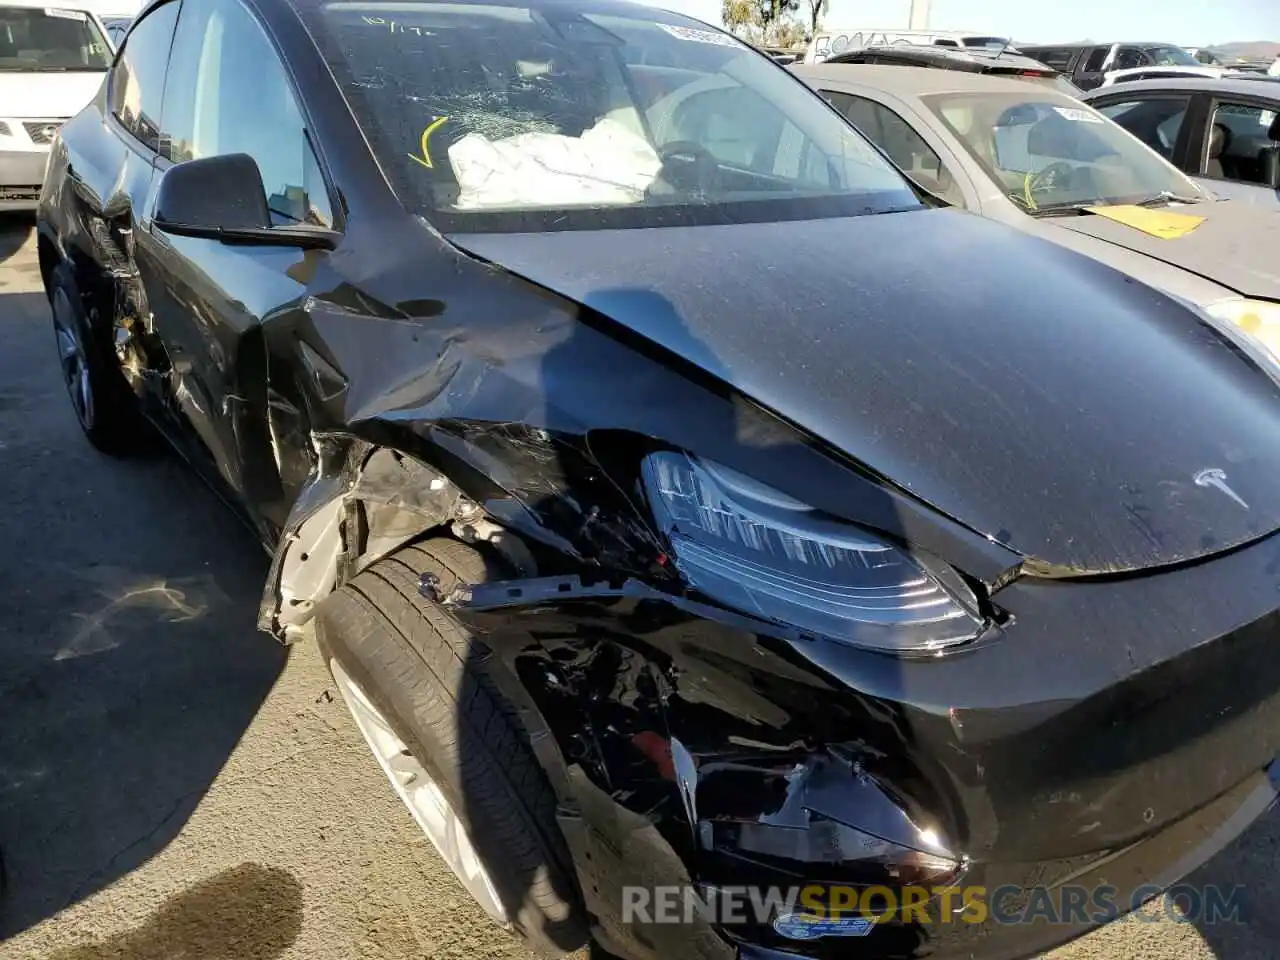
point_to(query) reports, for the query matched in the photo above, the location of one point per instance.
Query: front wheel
(451, 746)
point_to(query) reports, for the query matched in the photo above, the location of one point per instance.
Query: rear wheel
(453, 749)
(105, 408)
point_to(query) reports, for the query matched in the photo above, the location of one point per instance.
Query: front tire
(417, 685)
(105, 408)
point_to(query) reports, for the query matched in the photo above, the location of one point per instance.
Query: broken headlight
(757, 550)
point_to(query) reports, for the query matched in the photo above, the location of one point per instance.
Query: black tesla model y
(681, 500)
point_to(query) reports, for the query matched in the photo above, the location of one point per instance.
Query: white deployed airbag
(608, 165)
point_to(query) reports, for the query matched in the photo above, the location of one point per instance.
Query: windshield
(46, 39)
(591, 114)
(1050, 151)
(1171, 57)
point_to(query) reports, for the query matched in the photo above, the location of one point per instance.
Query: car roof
(912, 81)
(1246, 87)
(973, 60)
(1083, 44)
(823, 30)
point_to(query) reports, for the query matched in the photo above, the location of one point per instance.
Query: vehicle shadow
(1247, 867)
(130, 665)
(249, 912)
(15, 232)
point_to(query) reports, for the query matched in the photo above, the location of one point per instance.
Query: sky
(1184, 22)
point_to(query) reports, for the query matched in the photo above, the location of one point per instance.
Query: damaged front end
(695, 746)
(744, 657)
(896, 724)
(687, 750)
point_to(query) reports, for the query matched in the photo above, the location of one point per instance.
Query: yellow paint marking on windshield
(425, 143)
(1155, 223)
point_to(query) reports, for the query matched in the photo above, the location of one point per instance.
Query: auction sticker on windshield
(1078, 115)
(700, 36)
(65, 14)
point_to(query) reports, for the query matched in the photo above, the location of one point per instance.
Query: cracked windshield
(538, 109)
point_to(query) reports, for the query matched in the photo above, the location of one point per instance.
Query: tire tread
(442, 672)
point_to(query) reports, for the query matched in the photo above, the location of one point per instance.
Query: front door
(228, 92)
(110, 166)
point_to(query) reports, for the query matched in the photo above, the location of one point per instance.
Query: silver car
(1050, 165)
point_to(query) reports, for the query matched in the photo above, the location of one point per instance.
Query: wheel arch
(364, 501)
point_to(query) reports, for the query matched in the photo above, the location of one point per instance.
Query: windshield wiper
(1082, 207)
(1166, 196)
(1053, 209)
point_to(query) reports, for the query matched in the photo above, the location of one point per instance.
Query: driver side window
(1241, 141)
(905, 147)
(229, 93)
(137, 80)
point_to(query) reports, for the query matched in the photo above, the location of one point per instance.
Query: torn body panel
(762, 757)
(502, 396)
(365, 502)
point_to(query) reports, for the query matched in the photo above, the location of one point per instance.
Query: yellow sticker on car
(424, 143)
(1156, 223)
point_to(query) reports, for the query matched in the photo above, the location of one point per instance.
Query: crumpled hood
(1236, 246)
(47, 96)
(1031, 393)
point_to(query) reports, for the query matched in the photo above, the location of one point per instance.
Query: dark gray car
(1224, 132)
(1087, 64)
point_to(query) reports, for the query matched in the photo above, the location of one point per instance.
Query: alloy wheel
(74, 358)
(421, 794)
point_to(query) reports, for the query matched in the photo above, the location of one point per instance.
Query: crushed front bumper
(1118, 731)
(1130, 877)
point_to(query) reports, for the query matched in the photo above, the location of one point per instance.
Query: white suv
(52, 62)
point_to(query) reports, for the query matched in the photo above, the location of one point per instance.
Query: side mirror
(222, 198)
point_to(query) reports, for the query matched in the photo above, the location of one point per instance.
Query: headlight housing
(1260, 319)
(760, 551)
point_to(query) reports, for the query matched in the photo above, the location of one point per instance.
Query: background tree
(771, 12)
(741, 17)
(789, 34)
(817, 10)
(756, 19)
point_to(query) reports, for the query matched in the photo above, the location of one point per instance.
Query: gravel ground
(175, 785)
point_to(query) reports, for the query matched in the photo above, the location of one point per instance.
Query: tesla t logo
(1213, 477)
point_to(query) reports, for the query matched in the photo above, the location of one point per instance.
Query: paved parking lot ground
(175, 785)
